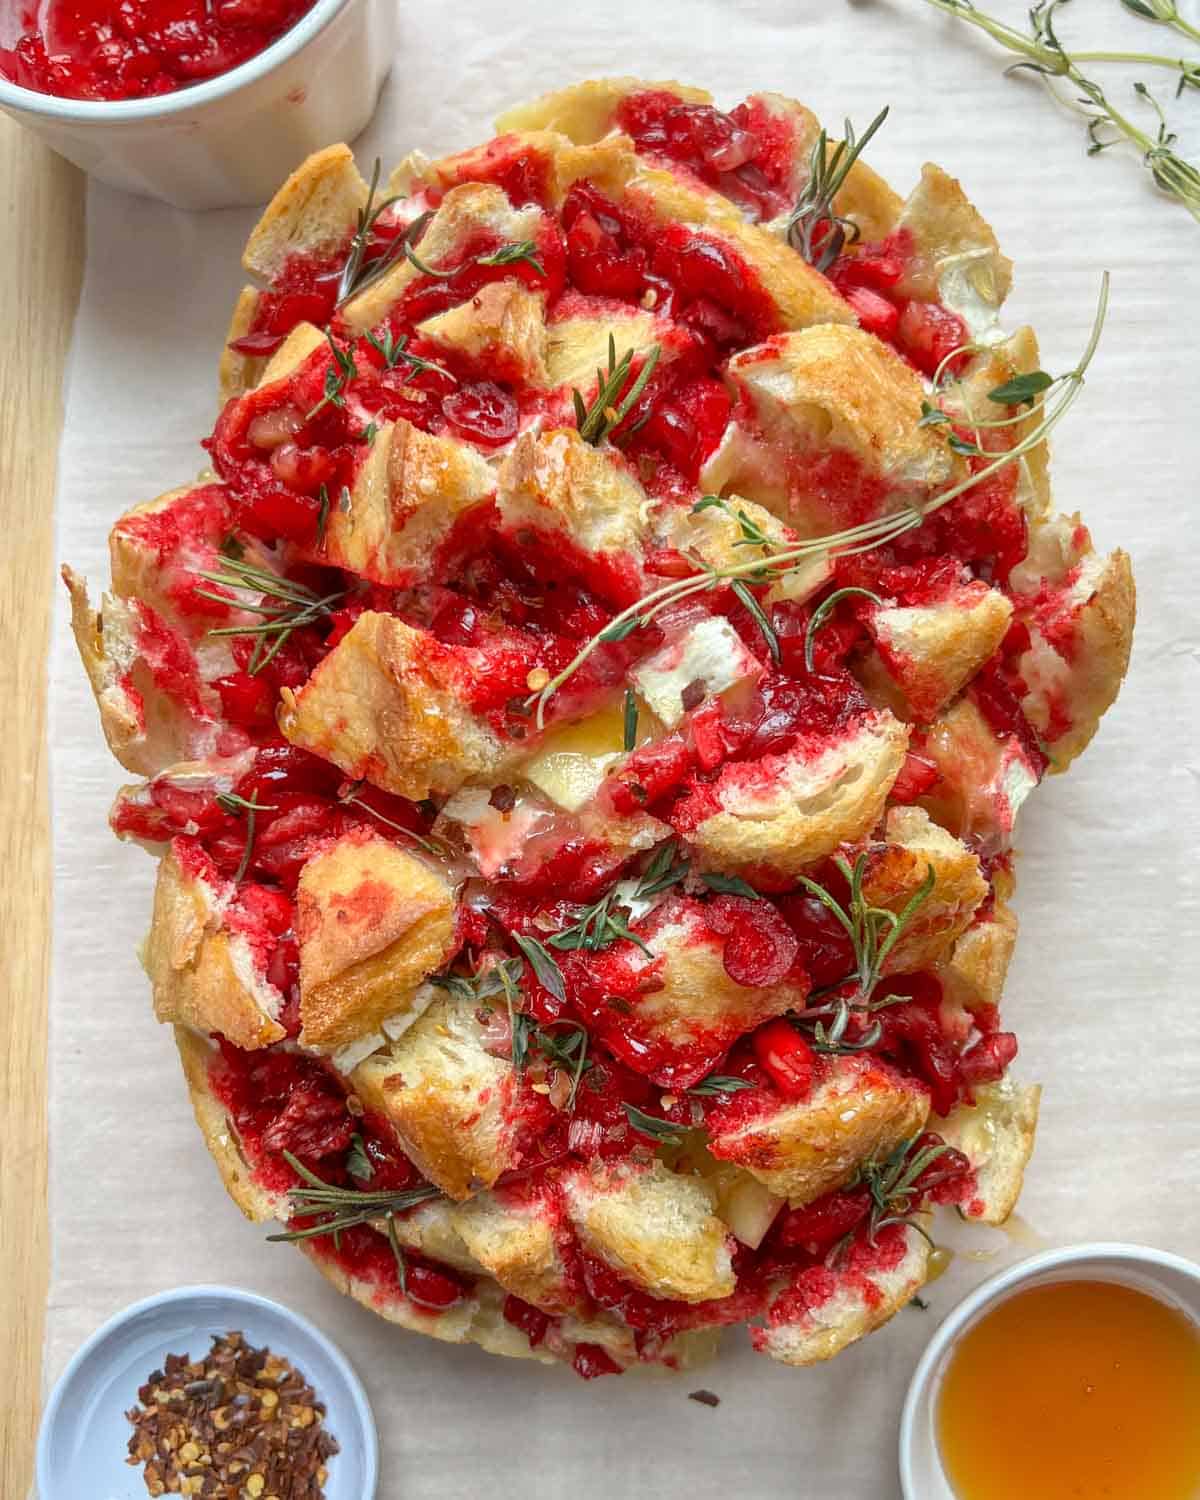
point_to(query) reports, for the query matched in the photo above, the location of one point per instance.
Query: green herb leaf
(342, 1208)
(1021, 389)
(358, 1164)
(619, 629)
(814, 229)
(630, 727)
(932, 416)
(718, 1083)
(759, 616)
(822, 613)
(605, 414)
(549, 975)
(665, 1131)
(729, 885)
(509, 254)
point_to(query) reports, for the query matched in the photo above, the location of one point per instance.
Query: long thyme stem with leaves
(343, 1208)
(1042, 53)
(775, 564)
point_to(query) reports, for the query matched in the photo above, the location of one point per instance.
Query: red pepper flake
(705, 1398)
(241, 1422)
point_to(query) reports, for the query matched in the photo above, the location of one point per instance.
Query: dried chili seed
(281, 1446)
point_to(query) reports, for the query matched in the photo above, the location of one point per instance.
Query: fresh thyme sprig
(509, 254)
(343, 1208)
(778, 563)
(604, 414)
(1042, 53)
(230, 802)
(717, 1084)
(814, 229)
(545, 970)
(568, 1051)
(668, 1132)
(285, 606)
(394, 349)
(751, 533)
(1164, 13)
(602, 924)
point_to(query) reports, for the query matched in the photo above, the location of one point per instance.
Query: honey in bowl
(1078, 1390)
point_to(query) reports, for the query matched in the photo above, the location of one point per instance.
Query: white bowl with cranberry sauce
(232, 138)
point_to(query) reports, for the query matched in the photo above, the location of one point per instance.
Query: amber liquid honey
(1081, 1390)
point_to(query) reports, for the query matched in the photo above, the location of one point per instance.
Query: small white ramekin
(232, 139)
(1170, 1278)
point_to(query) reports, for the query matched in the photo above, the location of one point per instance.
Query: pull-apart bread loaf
(581, 716)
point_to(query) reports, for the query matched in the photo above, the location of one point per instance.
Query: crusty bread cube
(680, 1010)
(788, 810)
(454, 1106)
(835, 388)
(858, 1108)
(466, 210)
(578, 334)
(155, 709)
(156, 546)
(824, 1310)
(914, 845)
(1079, 608)
(384, 704)
(408, 494)
(313, 213)
(655, 1227)
(931, 650)
(555, 484)
(203, 972)
(974, 974)
(957, 260)
(373, 921)
(996, 1135)
(515, 1237)
(586, 111)
(500, 332)
(983, 778)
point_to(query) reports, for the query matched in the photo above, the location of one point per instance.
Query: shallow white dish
(84, 1436)
(1170, 1278)
(231, 139)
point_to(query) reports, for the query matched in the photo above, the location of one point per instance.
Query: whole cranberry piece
(482, 412)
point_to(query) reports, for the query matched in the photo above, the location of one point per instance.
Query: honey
(1080, 1390)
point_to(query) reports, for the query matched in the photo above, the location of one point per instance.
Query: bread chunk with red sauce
(859, 1108)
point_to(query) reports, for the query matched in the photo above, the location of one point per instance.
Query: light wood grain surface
(41, 258)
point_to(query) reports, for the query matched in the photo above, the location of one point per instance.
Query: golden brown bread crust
(383, 705)
(220, 1134)
(201, 973)
(312, 213)
(239, 373)
(373, 922)
(860, 1109)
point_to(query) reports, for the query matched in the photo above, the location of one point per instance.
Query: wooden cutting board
(41, 260)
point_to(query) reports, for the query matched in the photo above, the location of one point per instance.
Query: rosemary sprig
(352, 279)
(230, 802)
(284, 605)
(1042, 53)
(604, 414)
(814, 229)
(337, 377)
(873, 930)
(892, 1184)
(822, 613)
(758, 615)
(512, 252)
(414, 232)
(629, 726)
(343, 1208)
(864, 538)
(393, 350)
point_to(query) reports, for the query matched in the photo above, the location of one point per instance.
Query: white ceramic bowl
(1170, 1278)
(84, 1436)
(234, 138)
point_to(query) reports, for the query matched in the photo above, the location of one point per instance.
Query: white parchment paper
(1103, 991)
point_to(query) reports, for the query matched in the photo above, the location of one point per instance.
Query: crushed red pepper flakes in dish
(239, 1424)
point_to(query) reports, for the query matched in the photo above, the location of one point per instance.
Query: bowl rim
(355, 1390)
(194, 97)
(992, 1291)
